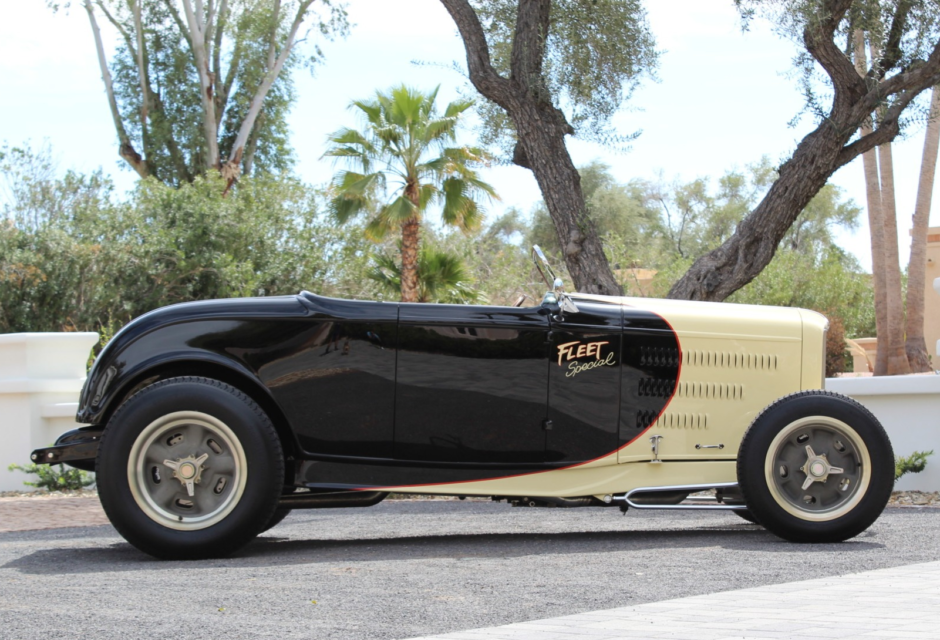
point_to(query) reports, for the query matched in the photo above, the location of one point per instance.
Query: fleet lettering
(567, 351)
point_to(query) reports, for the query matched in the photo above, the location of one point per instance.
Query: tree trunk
(875, 219)
(897, 358)
(548, 159)
(541, 130)
(410, 231)
(876, 228)
(917, 266)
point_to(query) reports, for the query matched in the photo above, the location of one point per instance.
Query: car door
(584, 383)
(471, 384)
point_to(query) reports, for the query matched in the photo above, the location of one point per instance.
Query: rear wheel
(816, 467)
(276, 518)
(189, 468)
(746, 515)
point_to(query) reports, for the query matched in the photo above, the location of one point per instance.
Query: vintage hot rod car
(211, 420)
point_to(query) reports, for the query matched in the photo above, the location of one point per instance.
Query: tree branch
(254, 108)
(206, 81)
(482, 74)
(818, 38)
(888, 129)
(117, 25)
(221, 93)
(141, 66)
(528, 45)
(171, 7)
(892, 52)
(272, 42)
(126, 150)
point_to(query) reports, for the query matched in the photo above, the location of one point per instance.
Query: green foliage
(497, 258)
(596, 55)
(98, 262)
(914, 463)
(55, 477)
(442, 277)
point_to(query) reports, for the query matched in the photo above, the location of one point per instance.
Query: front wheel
(189, 468)
(816, 466)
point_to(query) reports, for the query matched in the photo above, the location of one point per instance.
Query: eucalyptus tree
(404, 162)
(840, 100)
(549, 69)
(205, 84)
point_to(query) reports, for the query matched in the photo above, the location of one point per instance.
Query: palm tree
(442, 277)
(882, 216)
(404, 164)
(917, 266)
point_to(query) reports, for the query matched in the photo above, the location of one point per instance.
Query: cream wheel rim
(817, 468)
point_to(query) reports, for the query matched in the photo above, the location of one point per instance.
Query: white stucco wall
(909, 409)
(41, 376)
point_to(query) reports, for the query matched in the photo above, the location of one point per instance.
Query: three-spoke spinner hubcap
(817, 468)
(187, 470)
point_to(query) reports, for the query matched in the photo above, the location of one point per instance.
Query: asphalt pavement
(404, 569)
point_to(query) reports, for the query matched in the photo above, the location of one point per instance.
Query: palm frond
(372, 109)
(399, 210)
(457, 107)
(439, 129)
(356, 185)
(442, 277)
(344, 208)
(460, 209)
(426, 194)
(378, 227)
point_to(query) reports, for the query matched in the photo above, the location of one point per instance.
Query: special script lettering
(574, 368)
(573, 350)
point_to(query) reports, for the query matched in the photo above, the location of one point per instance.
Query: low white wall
(909, 409)
(41, 375)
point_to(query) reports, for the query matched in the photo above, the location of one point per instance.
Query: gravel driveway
(409, 568)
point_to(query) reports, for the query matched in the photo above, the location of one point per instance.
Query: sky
(723, 98)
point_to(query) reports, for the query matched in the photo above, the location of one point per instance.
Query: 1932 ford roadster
(211, 420)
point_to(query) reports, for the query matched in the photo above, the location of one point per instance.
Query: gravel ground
(410, 568)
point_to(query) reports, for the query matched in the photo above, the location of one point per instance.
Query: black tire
(279, 514)
(229, 455)
(840, 444)
(746, 515)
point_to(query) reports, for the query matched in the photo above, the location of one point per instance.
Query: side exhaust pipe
(343, 499)
(664, 497)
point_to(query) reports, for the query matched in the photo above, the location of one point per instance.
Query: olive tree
(841, 100)
(552, 68)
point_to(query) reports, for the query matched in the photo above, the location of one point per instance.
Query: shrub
(913, 463)
(55, 477)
